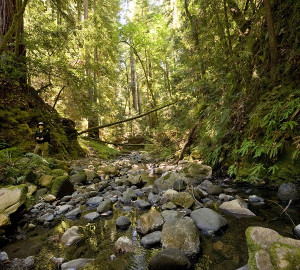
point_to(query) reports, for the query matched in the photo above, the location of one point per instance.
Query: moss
(59, 172)
(252, 249)
(103, 151)
(61, 186)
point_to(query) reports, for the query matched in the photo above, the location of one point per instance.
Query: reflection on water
(226, 251)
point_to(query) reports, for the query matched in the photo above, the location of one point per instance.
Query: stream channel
(225, 250)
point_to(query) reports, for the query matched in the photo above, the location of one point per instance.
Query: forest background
(228, 69)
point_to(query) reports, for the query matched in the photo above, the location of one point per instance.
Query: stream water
(225, 251)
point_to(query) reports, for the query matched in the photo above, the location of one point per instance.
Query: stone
(92, 216)
(71, 236)
(169, 259)
(196, 170)
(4, 221)
(75, 213)
(63, 209)
(205, 184)
(41, 192)
(179, 185)
(62, 186)
(31, 189)
(49, 198)
(46, 180)
(3, 256)
(268, 250)
(214, 190)
(79, 178)
(255, 199)
(166, 181)
(208, 221)
(76, 264)
(108, 170)
(11, 198)
(169, 193)
(288, 191)
(95, 201)
(169, 206)
(105, 206)
(153, 199)
(91, 175)
(46, 217)
(142, 204)
(183, 199)
(123, 222)
(297, 230)
(181, 234)
(136, 180)
(151, 240)
(130, 193)
(125, 245)
(170, 215)
(149, 222)
(245, 267)
(237, 208)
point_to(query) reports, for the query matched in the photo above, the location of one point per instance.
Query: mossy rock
(59, 172)
(62, 186)
(183, 199)
(269, 250)
(196, 170)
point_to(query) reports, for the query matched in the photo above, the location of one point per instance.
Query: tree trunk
(272, 37)
(138, 92)
(133, 81)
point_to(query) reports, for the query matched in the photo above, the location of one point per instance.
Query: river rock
(94, 201)
(76, 264)
(130, 193)
(92, 216)
(123, 222)
(149, 222)
(196, 170)
(297, 230)
(46, 180)
(208, 221)
(71, 236)
(169, 206)
(179, 185)
(169, 259)
(183, 199)
(142, 204)
(46, 217)
(169, 193)
(245, 267)
(151, 240)
(62, 186)
(63, 209)
(3, 256)
(235, 207)
(214, 190)
(108, 170)
(205, 184)
(91, 175)
(153, 199)
(288, 191)
(181, 234)
(124, 245)
(75, 213)
(199, 193)
(136, 180)
(79, 178)
(166, 181)
(49, 198)
(170, 215)
(105, 206)
(12, 198)
(255, 199)
(269, 250)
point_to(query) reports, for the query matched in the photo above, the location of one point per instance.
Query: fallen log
(125, 120)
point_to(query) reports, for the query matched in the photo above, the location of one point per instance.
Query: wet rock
(151, 240)
(49, 198)
(63, 209)
(57, 261)
(288, 191)
(235, 207)
(108, 170)
(71, 236)
(166, 181)
(149, 222)
(199, 193)
(91, 175)
(269, 250)
(169, 259)
(123, 222)
(205, 184)
(124, 245)
(127, 208)
(92, 216)
(297, 230)
(79, 178)
(136, 180)
(214, 190)
(208, 221)
(142, 204)
(105, 206)
(76, 264)
(255, 199)
(153, 199)
(75, 213)
(170, 215)
(245, 267)
(62, 186)
(41, 192)
(130, 193)
(95, 201)
(179, 185)
(181, 234)
(169, 206)
(46, 217)
(3, 256)
(4, 221)
(183, 199)
(12, 198)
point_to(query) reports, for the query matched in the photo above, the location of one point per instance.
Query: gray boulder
(79, 178)
(236, 207)
(125, 245)
(196, 170)
(170, 215)
(105, 206)
(297, 230)
(167, 180)
(208, 221)
(92, 216)
(179, 185)
(75, 213)
(149, 222)
(151, 240)
(71, 236)
(142, 204)
(183, 199)
(169, 259)
(94, 201)
(76, 264)
(181, 234)
(123, 222)
(214, 190)
(288, 191)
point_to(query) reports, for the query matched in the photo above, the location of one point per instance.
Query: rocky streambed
(134, 213)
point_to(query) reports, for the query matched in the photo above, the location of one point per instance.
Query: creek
(225, 250)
